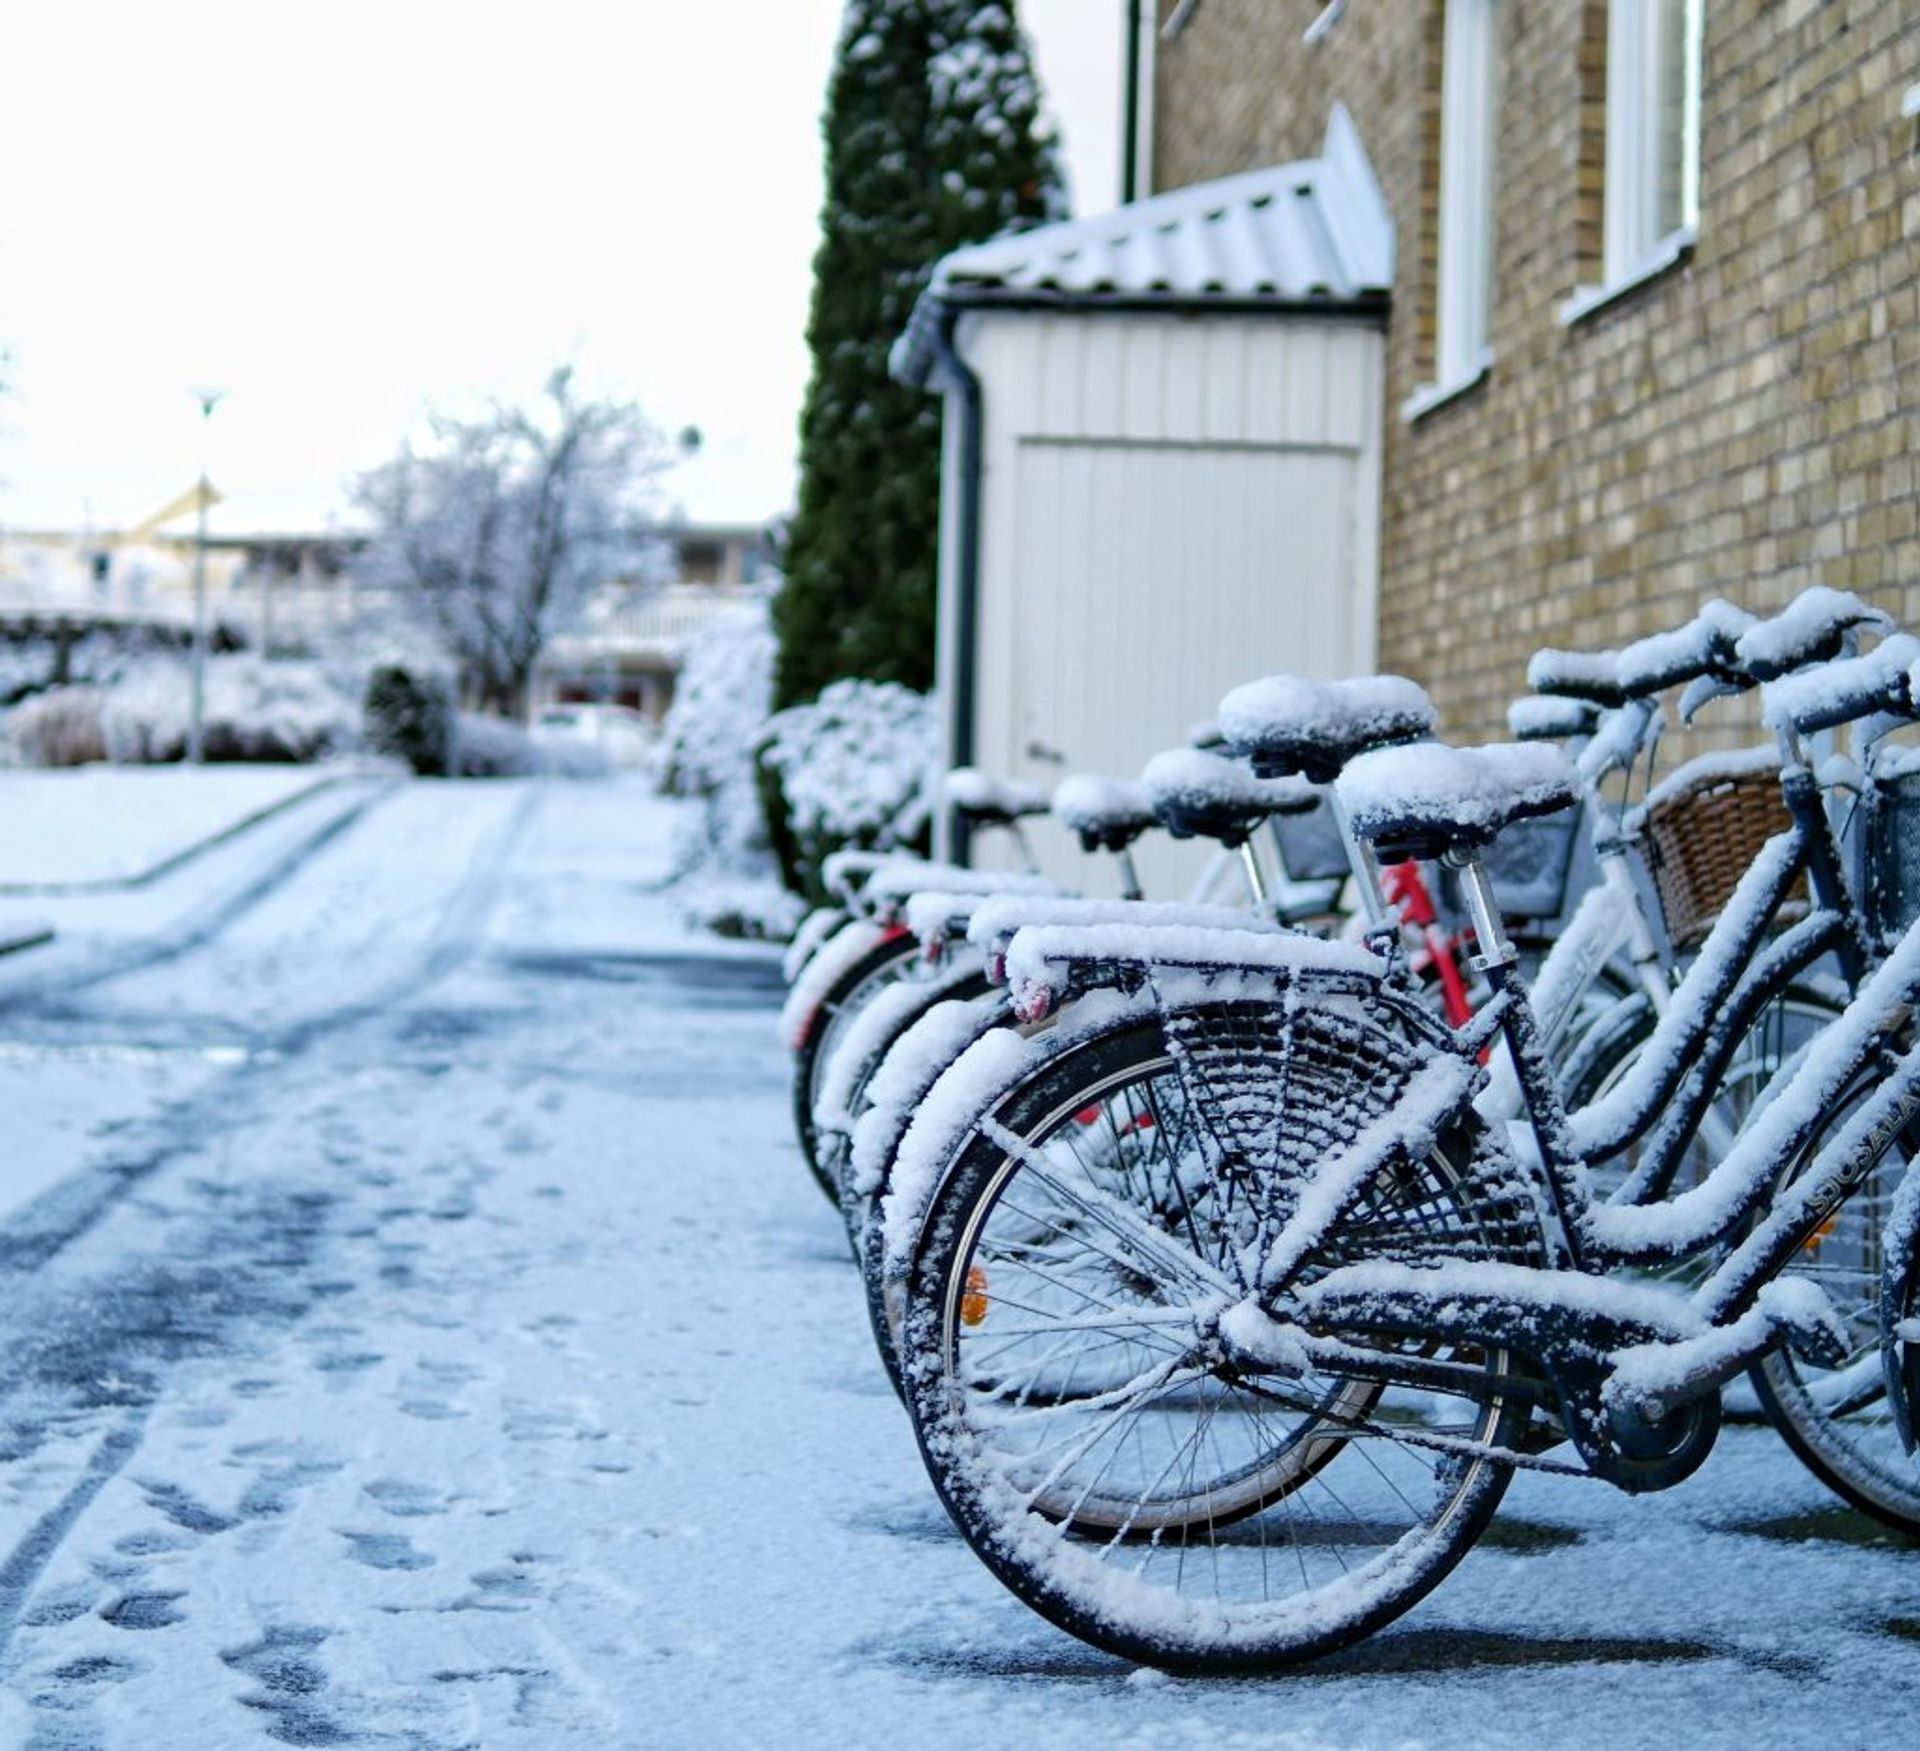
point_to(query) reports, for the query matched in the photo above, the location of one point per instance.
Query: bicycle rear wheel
(1094, 1444)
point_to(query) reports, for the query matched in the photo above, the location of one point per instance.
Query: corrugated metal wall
(1170, 506)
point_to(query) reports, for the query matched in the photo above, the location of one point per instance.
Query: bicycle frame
(1616, 1358)
(1741, 969)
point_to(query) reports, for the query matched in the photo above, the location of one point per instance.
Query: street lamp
(196, 715)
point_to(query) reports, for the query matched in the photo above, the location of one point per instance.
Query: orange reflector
(1823, 1232)
(973, 1304)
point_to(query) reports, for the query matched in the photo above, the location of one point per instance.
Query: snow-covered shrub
(719, 713)
(492, 747)
(254, 710)
(851, 768)
(60, 727)
(35, 658)
(408, 717)
(761, 911)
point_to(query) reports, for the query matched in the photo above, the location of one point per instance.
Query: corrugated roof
(1316, 233)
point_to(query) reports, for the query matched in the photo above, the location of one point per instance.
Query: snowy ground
(421, 1332)
(117, 823)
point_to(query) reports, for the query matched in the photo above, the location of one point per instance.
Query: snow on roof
(1313, 232)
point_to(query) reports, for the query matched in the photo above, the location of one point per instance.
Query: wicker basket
(1702, 837)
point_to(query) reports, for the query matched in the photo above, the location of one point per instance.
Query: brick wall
(1745, 424)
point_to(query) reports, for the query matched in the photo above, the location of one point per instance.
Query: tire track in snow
(58, 1218)
(32, 990)
(28, 1559)
(54, 1223)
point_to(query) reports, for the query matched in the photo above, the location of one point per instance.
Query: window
(1463, 287)
(1652, 201)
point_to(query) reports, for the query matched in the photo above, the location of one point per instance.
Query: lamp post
(196, 714)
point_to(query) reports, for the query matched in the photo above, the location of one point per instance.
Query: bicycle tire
(953, 984)
(1837, 1420)
(1610, 1047)
(1355, 1573)
(879, 966)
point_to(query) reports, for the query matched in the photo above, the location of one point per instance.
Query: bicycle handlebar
(1836, 693)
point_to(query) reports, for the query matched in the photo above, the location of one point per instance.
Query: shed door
(1151, 577)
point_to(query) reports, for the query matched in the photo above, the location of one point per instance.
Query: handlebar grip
(1843, 692)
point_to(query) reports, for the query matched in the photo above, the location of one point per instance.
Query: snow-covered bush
(60, 727)
(408, 717)
(492, 747)
(719, 713)
(851, 768)
(254, 710)
(761, 911)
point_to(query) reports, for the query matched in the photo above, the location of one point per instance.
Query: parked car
(619, 736)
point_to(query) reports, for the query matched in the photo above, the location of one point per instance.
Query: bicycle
(1308, 1253)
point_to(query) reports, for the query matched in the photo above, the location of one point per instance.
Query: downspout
(958, 375)
(1130, 140)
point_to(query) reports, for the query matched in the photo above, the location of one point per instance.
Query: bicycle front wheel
(1837, 1420)
(1102, 1456)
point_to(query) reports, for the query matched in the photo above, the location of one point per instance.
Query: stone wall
(1744, 424)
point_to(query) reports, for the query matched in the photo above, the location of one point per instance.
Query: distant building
(628, 649)
(282, 591)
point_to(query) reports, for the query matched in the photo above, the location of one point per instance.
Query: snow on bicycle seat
(1590, 675)
(1197, 795)
(1831, 694)
(1541, 717)
(1706, 645)
(1423, 800)
(1812, 628)
(998, 916)
(904, 876)
(992, 801)
(1286, 724)
(1107, 813)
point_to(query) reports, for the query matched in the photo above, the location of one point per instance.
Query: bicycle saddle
(990, 801)
(1593, 676)
(1197, 795)
(1429, 799)
(1107, 813)
(1812, 628)
(1286, 724)
(1541, 717)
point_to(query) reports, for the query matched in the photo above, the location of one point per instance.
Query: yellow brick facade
(1744, 424)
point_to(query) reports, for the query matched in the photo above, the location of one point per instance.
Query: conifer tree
(933, 140)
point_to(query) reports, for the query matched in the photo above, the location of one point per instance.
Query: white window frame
(1463, 291)
(1631, 249)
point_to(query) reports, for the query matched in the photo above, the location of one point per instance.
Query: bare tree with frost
(494, 531)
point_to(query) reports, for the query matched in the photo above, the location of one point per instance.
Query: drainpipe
(959, 377)
(1130, 141)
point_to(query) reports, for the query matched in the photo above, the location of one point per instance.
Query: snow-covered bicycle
(1240, 1242)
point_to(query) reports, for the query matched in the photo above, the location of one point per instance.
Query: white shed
(1162, 464)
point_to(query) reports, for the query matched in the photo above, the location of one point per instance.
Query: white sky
(342, 214)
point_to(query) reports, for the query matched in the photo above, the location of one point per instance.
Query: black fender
(1900, 1307)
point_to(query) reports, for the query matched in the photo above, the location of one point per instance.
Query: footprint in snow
(182, 1510)
(386, 1550)
(144, 1611)
(406, 1501)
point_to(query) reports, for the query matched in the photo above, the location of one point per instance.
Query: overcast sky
(342, 214)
